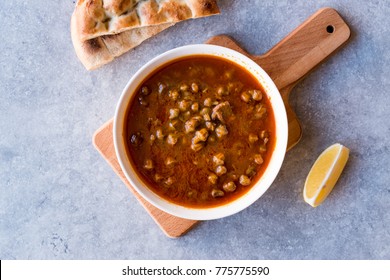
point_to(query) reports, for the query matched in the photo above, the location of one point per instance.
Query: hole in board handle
(330, 29)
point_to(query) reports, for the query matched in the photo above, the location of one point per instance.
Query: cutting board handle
(309, 44)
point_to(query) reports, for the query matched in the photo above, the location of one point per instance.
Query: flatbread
(102, 30)
(96, 52)
(96, 18)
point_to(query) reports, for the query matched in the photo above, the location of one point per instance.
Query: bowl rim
(257, 190)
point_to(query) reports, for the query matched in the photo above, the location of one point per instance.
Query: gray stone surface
(60, 200)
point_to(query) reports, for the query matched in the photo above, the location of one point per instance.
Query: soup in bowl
(200, 132)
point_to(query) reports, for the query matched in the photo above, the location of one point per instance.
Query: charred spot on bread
(210, 6)
(207, 6)
(93, 44)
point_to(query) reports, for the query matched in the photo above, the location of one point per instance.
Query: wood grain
(295, 56)
(286, 63)
(172, 226)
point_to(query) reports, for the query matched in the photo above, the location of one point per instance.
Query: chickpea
(228, 74)
(210, 126)
(136, 139)
(201, 135)
(263, 134)
(172, 139)
(221, 131)
(184, 105)
(173, 113)
(161, 87)
(191, 193)
(258, 159)
(252, 138)
(145, 90)
(184, 87)
(262, 148)
(256, 95)
(208, 102)
(157, 177)
(148, 164)
(170, 161)
(244, 180)
(169, 181)
(152, 138)
(195, 87)
(212, 178)
(159, 134)
(229, 187)
(206, 117)
(173, 125)
(197, 147)
(191, 124)
(187, 95)
(217, 193)
(219, 159)
(205, 111)
(245, 97)
(195, 107)
(260, 111)
(222, 91)
(220, 170)
(174, 94)
(250, 171)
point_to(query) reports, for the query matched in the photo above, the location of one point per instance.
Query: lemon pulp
(324, 174)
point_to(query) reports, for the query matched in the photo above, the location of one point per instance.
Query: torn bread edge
(99, 51)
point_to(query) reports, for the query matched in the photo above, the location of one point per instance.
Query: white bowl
(276, 159)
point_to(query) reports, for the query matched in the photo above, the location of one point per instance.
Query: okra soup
(200, 131)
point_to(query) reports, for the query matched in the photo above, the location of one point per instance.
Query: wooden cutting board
(286, 63)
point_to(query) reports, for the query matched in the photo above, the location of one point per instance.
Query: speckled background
(60, 200)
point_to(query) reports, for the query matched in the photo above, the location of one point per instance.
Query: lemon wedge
(324, 174)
